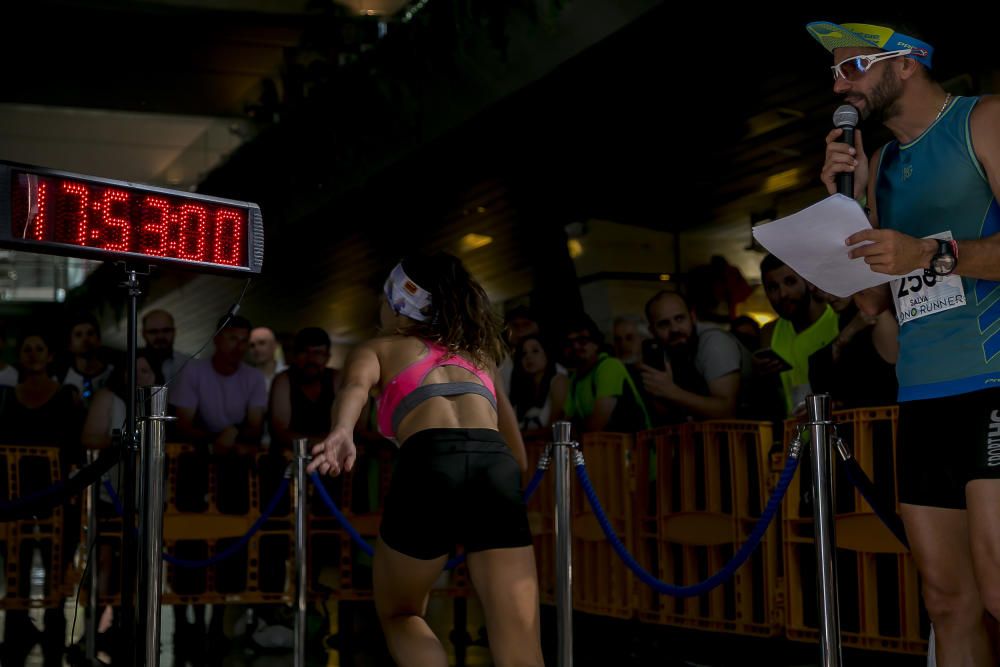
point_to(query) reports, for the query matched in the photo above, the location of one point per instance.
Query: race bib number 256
(918, 295)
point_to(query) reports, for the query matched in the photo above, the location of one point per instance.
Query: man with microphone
(932, 198)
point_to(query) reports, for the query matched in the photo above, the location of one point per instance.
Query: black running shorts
(945, 443)
(454, 486)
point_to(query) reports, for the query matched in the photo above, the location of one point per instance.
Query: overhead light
(761, 318)
(480, 209)
(771, 120)
(474, 241)
(575, 248)
(782, 180)
(665, 277)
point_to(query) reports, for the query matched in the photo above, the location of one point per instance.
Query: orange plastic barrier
(23, 471)
(231, 492)
(880, 605)
(602, 583)
(701, 487)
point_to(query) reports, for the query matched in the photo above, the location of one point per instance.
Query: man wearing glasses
(602, 395)
(932, 194)
(158, 331)
(89, 368)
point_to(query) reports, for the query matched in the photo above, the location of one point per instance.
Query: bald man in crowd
(263, 354)
(690, 370)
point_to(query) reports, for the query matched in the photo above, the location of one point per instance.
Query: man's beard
(308, 373)
(795, 309)
(883, 100)
(682, 364)
(683, 352)
(159, 353)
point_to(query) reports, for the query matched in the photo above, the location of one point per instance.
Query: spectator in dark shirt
(695, 371)
(302, 396)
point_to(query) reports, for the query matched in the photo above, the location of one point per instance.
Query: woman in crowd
(39, 411)
(537, 389)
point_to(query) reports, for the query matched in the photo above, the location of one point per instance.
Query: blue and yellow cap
(833, 36)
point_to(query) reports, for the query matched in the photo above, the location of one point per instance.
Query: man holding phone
(690, 370)
(805, 325)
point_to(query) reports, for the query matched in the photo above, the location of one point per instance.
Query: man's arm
(281, 411)
(885, 337)
(898, 254)
(249, 433)
(184, 398)
(719, 404)
(186, 429)
(719, 360)
(96, 432)
(979, 258)
(252, 429)
(873, 300)
(598, 419)
(762, 366)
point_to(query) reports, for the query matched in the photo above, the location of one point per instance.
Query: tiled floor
(598, 641)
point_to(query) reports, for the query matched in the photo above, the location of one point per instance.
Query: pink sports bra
(407, 390)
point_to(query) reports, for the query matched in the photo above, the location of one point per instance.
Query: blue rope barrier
(716, 579)
(115, 500)
(15, 503)
(341, 519)
(534, 482)
(367, 548)
(59, 492)
(231, 549)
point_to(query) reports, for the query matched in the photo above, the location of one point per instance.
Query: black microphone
(846, 118)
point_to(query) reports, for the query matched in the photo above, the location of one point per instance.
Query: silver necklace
(947, 98)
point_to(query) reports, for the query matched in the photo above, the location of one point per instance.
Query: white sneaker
(274, 636)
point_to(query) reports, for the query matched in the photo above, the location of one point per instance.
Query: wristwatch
(945, 261)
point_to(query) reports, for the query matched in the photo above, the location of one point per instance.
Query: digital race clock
(48, 211)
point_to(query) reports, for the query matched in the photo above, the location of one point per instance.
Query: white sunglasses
(854, 67)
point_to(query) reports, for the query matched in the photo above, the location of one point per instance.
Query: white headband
(406, 297)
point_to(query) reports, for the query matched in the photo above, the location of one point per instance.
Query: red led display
(121, 219)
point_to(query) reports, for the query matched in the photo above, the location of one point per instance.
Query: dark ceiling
(671, 121)
(374, 146)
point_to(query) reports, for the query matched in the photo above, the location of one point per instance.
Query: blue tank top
(935, 186)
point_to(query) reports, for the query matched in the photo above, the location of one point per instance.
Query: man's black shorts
(944, 443)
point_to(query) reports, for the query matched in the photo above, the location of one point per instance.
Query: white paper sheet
(811, 242)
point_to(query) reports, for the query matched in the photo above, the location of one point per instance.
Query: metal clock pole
(130, 453)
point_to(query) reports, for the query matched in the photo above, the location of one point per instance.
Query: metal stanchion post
(129, 649)
(562, 447)
(301, 458)
(93, 550)
(820, 423)
(154, 408)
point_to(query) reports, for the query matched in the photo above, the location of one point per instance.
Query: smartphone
(653, 354)
(767, 354)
